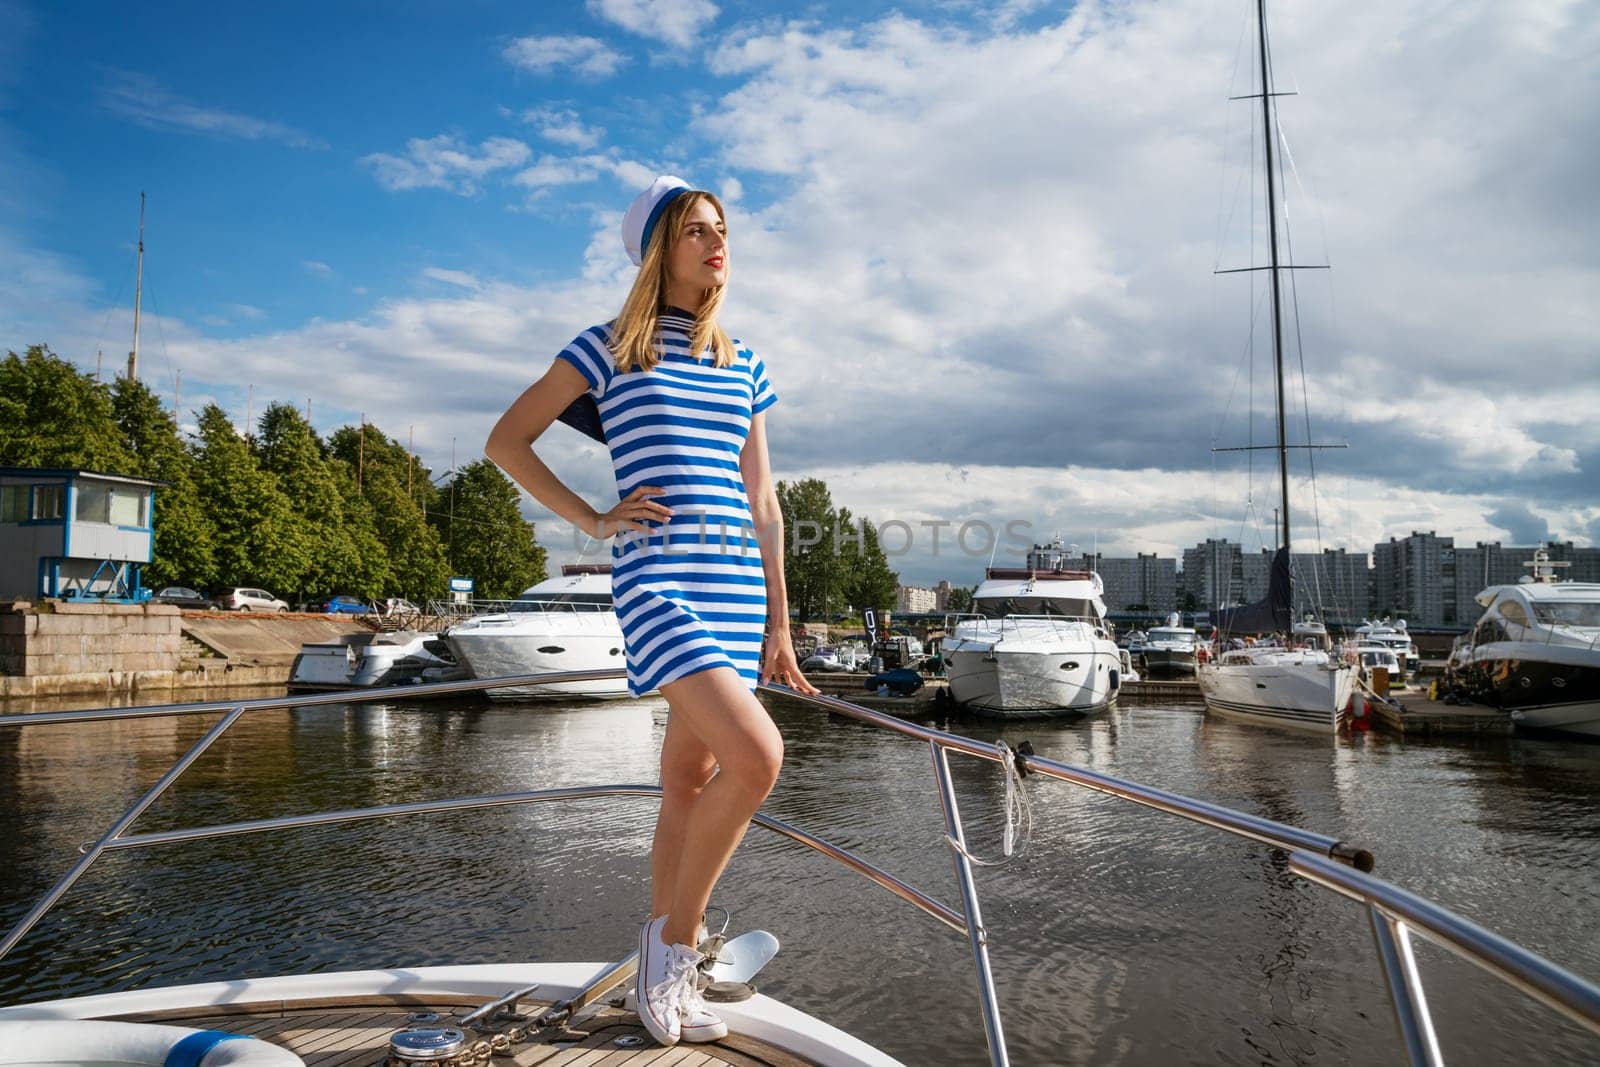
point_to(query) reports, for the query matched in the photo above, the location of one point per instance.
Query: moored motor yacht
(567, 623)
(1035, 644)
(1536, 652)
(1393, 635)
(368, 658)
(1170, 649)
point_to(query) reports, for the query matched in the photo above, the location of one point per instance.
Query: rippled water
(1120, 936)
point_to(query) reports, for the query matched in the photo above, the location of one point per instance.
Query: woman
(697, 568)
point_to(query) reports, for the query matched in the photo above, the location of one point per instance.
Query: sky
(976, 244)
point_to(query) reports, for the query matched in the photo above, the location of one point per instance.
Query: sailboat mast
(138, 294)
(1277, 295)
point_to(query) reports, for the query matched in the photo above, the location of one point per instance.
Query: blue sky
(974, 242)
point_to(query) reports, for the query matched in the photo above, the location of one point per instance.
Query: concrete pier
(1417, 716)
(64, 648)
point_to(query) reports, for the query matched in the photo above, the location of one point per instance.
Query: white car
(244, 598)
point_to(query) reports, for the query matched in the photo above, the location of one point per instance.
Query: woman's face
(699, 259)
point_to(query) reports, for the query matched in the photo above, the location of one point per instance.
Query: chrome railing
(1060, 624)
(1394, 913)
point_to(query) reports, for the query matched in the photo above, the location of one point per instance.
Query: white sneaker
(700, 1024)
(665, 987)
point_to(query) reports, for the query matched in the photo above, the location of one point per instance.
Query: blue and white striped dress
(691, 595)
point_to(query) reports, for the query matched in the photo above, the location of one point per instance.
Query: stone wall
(64, 638)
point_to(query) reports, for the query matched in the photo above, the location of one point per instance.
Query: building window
(49, 502)
(93, 504)
(127, 507)
(13, 503)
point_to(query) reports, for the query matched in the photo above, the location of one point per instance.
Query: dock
(1417, 716)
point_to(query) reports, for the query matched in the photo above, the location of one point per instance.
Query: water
(1120, 936)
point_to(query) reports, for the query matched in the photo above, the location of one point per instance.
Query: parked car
(182, 596)
(345, 604)
(245, 598)
(395, 605)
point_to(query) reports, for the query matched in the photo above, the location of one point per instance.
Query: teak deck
(355, 1032)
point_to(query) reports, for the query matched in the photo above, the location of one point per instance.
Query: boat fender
(73, 1041)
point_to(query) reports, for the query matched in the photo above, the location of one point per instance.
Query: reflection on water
(1119, 936)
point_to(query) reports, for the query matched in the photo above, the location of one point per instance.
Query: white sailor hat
(640, 220)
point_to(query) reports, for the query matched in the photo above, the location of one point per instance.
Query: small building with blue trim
(75, 533)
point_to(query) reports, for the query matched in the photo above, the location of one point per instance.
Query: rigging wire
(122, 287)
(1285, 157)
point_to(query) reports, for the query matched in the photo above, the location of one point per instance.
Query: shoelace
(676, 988)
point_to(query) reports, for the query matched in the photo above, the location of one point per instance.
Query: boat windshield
(1171, 635)
(1568, 613)
(1001, 606)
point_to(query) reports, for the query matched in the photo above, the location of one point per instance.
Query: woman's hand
(778, 665)
(629, 512)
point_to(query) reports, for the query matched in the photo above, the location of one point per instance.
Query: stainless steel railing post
(1405, 989)
(976, 935)
(137, 809)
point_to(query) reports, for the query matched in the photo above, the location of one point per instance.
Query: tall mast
(138, 293)
(1277, 296)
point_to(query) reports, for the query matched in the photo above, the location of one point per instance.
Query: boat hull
(1167, 662)
(1063, 680)
(363, 994)
(1545, 687)
(501, 646)
(1300, 696)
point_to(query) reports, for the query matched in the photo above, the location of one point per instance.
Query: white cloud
(317, 268)
(588, 56)
(676, 22)
(141, 99)
(978, 265)
(247, 311)
(572, 170)
(563, 126)
(444, 162)
(452, 277)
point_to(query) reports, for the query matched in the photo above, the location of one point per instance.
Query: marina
(1269, 799)
(1137, 971)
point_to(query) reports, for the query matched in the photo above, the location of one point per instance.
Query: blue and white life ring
(106, 1044)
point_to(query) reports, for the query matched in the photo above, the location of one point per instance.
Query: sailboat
(1294, 684)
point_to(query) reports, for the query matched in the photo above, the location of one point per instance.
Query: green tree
(259, 538)
(345, 555)
(814, 569)
(870, 582)
(399, 495)
(51, 415)
(185, 544)
(960, 598)
(486, 537)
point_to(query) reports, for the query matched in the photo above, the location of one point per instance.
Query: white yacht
(1170, 649)
(1035, 644)
(566, 623)
(1372, 657)
(1536, 651)
(364, 659)
(1392, 635)
(1290, 684)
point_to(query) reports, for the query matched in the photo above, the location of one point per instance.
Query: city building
(1414, 578)
(916, 600)
(1145, 582)
(1213, 574)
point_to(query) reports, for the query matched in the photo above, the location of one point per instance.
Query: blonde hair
(636, 331)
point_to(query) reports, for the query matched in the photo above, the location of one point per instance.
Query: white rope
(1018, 815)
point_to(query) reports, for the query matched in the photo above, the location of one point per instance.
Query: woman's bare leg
(721, 711)
(686, 766)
